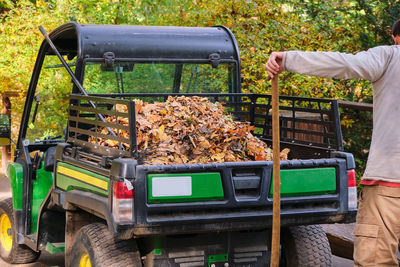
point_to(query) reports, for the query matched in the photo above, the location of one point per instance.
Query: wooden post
(6, 150)
(276, 208)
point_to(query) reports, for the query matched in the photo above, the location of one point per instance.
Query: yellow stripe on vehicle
(83, 177)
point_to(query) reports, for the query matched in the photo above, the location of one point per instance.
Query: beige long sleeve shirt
(381, 66)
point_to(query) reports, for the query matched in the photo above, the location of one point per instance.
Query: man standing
(377, 230)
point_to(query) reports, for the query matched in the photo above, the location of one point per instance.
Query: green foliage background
(260, 27)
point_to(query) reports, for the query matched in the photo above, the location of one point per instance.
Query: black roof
(138, 43)
(144, 42)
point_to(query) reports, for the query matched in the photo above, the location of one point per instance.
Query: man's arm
(369, 65)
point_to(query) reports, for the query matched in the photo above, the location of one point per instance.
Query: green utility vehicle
(103, 206)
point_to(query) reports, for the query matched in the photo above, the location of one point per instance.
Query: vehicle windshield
(152, 77)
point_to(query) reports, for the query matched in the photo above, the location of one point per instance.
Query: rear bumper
(255, 222)
(175, 221)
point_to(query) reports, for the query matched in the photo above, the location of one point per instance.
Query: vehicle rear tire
(10, 250)
(305, 246)
(95, 246)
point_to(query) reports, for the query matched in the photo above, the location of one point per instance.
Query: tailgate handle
(246, 182)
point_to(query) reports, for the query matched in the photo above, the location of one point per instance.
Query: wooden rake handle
(276, 208)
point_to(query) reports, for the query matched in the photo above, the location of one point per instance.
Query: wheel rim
(5, 232)
(85, 261)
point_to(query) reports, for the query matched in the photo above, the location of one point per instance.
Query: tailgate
(224, 193)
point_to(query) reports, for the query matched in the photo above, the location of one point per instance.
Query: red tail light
(352, 190)
(121, 191)
(351, 174)
(122, 202)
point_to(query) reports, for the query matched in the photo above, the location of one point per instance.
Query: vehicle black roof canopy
(158, 43)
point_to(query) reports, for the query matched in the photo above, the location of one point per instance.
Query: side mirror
(5, 130)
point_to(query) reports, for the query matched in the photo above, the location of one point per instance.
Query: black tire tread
(19, 253)
(311, 246)
(108, 250)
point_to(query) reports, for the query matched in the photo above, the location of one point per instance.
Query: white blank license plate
(172, 186)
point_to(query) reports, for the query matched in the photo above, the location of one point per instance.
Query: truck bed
(226, 196)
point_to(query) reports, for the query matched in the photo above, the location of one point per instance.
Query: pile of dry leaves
(192, 130)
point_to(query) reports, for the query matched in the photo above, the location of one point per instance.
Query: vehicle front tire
(305, 246)
(95, 246)
(10, 250)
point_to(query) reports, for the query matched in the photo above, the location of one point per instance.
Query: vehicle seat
(49, 159)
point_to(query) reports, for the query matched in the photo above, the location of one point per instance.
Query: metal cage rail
(303, 121)
(85, 128)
